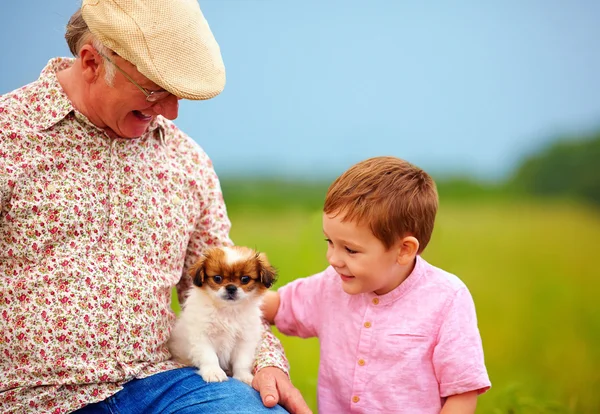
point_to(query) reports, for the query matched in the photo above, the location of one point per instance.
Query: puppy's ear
(197, 271)
(268, 274)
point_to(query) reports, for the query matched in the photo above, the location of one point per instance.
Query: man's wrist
(258, 366)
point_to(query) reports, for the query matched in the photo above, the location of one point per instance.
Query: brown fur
(250, 263)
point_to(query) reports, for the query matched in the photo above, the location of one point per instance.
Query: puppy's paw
(212, 374)
(244, 377)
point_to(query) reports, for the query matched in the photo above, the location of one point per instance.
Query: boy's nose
(334, 260)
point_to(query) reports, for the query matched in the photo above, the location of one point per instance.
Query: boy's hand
(275, 387)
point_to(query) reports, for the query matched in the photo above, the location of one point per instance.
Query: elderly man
(104, 204)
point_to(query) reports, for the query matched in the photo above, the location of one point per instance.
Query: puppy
(220, 325)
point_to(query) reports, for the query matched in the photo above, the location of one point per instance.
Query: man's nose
(168, 107)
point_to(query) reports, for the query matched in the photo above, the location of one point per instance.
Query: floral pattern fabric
(94, 234)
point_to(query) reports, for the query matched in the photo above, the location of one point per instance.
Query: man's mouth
(142, 117)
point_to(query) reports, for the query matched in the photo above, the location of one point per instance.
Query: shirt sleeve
(270, 352)
(4, 188)
(458, 355)
(212, 229)
(212, 224)
(299, 307)
(5, 172)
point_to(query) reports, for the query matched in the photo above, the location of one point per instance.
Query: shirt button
(367, 324)
(376, 301)
(361, 362)
(355, 399)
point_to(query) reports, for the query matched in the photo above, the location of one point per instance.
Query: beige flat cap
(169, 41)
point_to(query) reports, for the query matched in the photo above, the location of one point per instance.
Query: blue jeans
(181, 391)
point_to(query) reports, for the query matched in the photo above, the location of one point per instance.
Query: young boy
(397, 335)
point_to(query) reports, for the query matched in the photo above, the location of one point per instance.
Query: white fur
(216, 335)
(234, 255)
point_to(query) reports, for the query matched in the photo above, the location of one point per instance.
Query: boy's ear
(407, 250)
(197, 272)
(268, 274)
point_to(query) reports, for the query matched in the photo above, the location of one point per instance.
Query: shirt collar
(403, 288)
(48, 98)
(53, 105)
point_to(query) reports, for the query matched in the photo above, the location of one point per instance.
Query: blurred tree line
(566, 168)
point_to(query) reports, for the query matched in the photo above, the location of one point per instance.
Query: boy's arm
(296, 307)
(457, 357)
(270, 306)
(460, 403)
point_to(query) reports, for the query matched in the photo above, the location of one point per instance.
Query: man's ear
(197, 272)
(91, 63)
(407, 250)
(268, 274)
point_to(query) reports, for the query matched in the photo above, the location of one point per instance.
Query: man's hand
(275, 387)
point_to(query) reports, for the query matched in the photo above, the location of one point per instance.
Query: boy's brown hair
(393, 197)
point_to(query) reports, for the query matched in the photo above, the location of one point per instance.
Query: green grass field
(531, 269)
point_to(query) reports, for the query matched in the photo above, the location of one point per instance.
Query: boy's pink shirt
(404, 351)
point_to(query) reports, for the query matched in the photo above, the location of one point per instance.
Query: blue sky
(462, 87)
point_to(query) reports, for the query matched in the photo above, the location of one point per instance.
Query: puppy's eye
(245, 280)
(218, 279)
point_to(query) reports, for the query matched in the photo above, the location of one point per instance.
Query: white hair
(78, 34)
(109, 68)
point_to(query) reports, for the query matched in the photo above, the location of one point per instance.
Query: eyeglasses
(151, 96)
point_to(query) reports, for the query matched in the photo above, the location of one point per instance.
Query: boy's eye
(245, 280)
(328, 241)
(349, 250)
(218, 279)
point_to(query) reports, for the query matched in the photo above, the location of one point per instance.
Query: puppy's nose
(231, 289)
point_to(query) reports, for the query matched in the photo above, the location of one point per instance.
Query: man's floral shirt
(94, 234)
